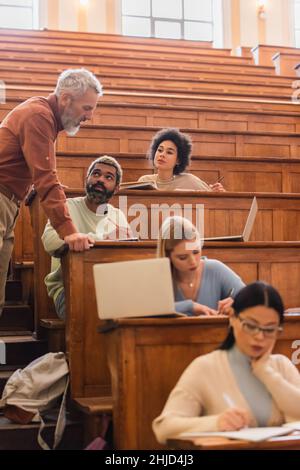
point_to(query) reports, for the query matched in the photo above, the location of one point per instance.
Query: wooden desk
(278, 218)
(289, 442)
(274, 262)
(89, 375)
(146, 358)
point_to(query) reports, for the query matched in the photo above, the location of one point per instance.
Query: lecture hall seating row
(131, 347)
(135, 139)
(262, 54)
(277, 219)
(206, 114)
(160, 81)
(242, 174)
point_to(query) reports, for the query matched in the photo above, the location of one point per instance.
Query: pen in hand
(228, 400)
(219, 179)
(230, 293)
(224, 304)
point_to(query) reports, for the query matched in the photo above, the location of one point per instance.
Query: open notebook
(246, 434)
(138, 185)
(139, 288)
(244, 237)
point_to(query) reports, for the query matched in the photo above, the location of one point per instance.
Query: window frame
(296, 29)
(34, 7)
(181, 20)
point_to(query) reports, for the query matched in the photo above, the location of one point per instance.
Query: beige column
(113, 16)
(235, 24)
(82, 19)
(53, 14)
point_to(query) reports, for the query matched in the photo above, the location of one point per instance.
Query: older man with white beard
(27, 155)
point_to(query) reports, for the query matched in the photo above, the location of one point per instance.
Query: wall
(241, 25)
(69, 15)
(276, 28)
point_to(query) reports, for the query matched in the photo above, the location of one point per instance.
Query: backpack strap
(60, 424)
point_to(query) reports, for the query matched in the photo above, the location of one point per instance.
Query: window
(19, 14)
(177, 19)
(297, 22)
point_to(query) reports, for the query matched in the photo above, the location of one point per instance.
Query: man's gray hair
(77, 82)
(107, 160)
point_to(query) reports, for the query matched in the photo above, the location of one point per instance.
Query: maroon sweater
(27, 155)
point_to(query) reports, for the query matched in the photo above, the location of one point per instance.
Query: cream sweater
(184, 181)
(98, 226)
(197, 399)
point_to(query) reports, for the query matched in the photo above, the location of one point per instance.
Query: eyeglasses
(253, 329)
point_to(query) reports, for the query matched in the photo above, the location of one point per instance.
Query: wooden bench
(285, 63)
(133, 68)
(212, 117)
(241, 104)
(58, 64)
(191, 53)
(274, 262)
(87, 39)
(162, 81)
(47, 55)
(225, 214)
(95, 49)
(243, 174)
(206, 143)
(140, 388)
(263, 53)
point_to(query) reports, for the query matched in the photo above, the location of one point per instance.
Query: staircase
(18, 347)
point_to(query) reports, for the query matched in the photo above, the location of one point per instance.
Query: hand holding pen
(217, 186)
(225, 304)
(233, 418)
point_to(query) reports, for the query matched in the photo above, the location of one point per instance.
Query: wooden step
(94, 405)
(20, 350)
(4, 376)
(24, 437)
(95, 410)
(16, 317)
(54, 330)
(13, 291)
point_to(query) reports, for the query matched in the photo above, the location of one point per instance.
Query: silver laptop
(247, 229)
(139, 288)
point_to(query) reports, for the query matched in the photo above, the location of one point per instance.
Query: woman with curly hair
(170, 152)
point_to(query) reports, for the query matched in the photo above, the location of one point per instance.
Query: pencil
(231, 292)
(219, 179)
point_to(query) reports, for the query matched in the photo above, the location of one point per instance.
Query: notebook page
(246, 434)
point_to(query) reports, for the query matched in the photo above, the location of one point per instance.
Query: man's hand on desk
(79, 241)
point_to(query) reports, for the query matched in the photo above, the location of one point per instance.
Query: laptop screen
(136, 288)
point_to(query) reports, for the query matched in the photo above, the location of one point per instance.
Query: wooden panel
(97, 49)
(20, 92)
(87, 356)
(285, 63)
(243, 175)
(162, 82)
(86, 38)
(82, 321)
(263, 53)
(225, 214)
(205, 143)
(52, 53)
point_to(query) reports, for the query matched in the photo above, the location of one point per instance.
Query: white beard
(69, 124)
(71, 131)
